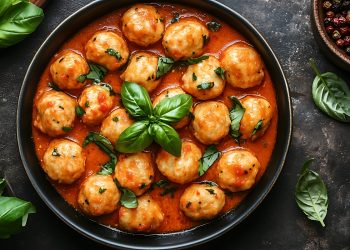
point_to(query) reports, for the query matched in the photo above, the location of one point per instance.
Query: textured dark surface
(277, 223)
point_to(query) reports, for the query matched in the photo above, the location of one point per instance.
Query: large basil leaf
(236, 115)
(17, 21)
(167, 137)
(136, 100)
(173, 109)
(311, 194)
(211, 154)
(331, 94)
(135, 138)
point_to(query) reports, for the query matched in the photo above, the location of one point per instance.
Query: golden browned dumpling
(55, 113)
(202, 201)
(135, 172)
(107, 49)
(185, 39)
(181, 169)
(211, 122)
(64, 161)
(142, 70)
(201, 81)
(243, 66)
(67, 68)
(170, 93)
(257, 117)
(237, 170)
(96, 101)
(98, 195)
(115, 124)
(147, 217)
(142, 24)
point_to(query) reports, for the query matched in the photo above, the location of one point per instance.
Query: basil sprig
(13, 213)
(152, 124)
(331, 94)
(128, 199)
(105, 145)
(236, 115)
(211, 154)
(18, 18)
(311, 194)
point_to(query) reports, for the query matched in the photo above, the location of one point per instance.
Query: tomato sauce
(174, 219)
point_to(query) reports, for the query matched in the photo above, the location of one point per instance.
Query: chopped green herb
(115, 119)
(176, 18)
(213, 25)
(188, 204)
(81, 78)
(192, 61)
(257, 127)
(79, 111)
(66, 129)
(143, 185)
(211, 191)
(205, 85)
(114, 53)
(102, 190)
(194, 77)
(55, 152)
(166, 186)
(220, 72)
(87, 104)
(97, 72)
(109, 88)
(160, 20)
(61, 107)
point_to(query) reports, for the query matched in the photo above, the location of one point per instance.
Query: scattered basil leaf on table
(236, 115)
(173, 109)
(13, 213)
(331, 94)
(167, 137)
(211, 154)
(18, 19)
(114, 53)
(128, 199)
(106, 146)
(257, 127)
(213, 25)
(311, 194)
(165, 64)
(205, 85)
(220, 72)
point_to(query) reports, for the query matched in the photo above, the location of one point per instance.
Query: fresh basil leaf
(108, 168)
(167, 137)
(257, 127)
(135, 138)
(53, 86)
(114, 53)
(81, 78)
(67, 129)
(194, 77)
(2, 185)
(167, 187)
(213, 25)
(236, 115)
(331, 94)
(160, 183)
(165, 64)
(205, 85)
(169, 190)
(173, 109)
(136, 100)
(220, 72)
(97, 72)
(79, 111)
(128, 198)
(176, 18)
(192, 61)
(18, 21)
(13, 215)
(211, 154)
(311, 194)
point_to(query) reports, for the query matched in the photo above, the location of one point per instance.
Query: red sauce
(174, 219)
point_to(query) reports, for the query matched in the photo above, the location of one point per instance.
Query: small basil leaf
(236, 115)
(220, 72)
(311, 194)
(192, 61)
(205, 85)
(213, 25)
(108, 87)
(136, 100)
(114, 53)
(2, 186)
(108, 168)
(128, 198)
(194, 77)
(79, 111)
(81, 78)
(13, 215)
(167, 138)
(173, 109)
(176, 18)
(257, 127)
(211, 154)
(164, 66)
(53, 86)
(331, 94)
(18, 20)
(67, 129)
(135, 138)
(97, 72)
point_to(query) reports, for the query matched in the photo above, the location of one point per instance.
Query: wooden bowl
(325, 42)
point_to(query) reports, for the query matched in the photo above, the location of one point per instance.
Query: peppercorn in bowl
(331, 27)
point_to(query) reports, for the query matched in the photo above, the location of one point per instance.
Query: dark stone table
(277, 223)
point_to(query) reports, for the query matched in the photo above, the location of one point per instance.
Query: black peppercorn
(347, 50)
(327, 5)
(336, 35)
